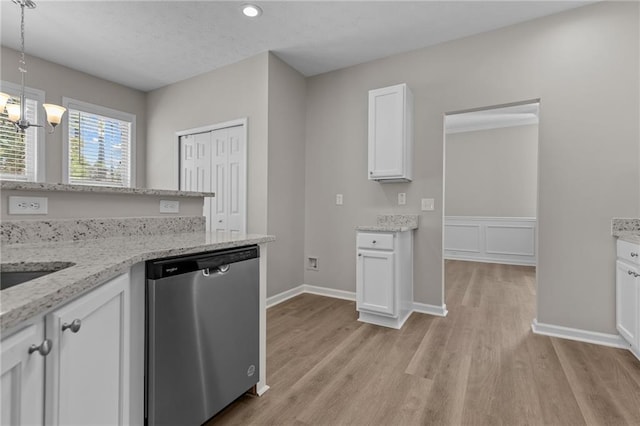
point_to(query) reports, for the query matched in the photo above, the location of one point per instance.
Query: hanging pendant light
(17, 112)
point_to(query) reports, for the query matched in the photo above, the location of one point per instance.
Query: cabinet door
(627, 302)
(375, 287)
(22, 378)
(386, 133)
(88, 369)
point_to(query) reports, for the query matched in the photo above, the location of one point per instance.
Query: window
(99, 145)
(21, 156)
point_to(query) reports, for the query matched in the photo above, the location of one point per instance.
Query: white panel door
(220, 180)
(229, 180)
(375, 287)
(88, 368)
(22, 380)
(237, 181)
(187, 163)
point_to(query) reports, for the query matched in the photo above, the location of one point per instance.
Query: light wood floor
(480, 365)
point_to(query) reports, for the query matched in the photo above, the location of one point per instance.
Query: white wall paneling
(490, 239)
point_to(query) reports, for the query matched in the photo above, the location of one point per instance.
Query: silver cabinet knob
(373, 242)
(43, 348)
(359, 254)
(74, 326)
(635, 274)
(634, 254)
(220, 221)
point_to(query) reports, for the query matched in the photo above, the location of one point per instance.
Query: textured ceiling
(149, 44)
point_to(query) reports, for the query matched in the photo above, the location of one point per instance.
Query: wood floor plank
(481, 365)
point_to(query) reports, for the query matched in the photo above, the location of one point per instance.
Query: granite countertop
(94, 262)
(63, 187)
(392, 223)
(626, 229)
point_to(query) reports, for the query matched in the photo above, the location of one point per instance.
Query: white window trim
(70, 103)
(39, 96)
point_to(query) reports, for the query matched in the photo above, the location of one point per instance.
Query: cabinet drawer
(629, 251)
(372, 240)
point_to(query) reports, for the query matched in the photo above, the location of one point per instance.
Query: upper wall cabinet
(391, 134)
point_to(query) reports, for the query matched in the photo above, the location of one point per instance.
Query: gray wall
(232, 92)
(287, 96)
(582, 64)
(58, 81)
(492, 172)
(272, 96)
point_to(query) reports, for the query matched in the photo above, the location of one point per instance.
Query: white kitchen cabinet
(22, 378)
(87, 371)
(391, 134)
(628, 294)
(384, 277)
(59, 372)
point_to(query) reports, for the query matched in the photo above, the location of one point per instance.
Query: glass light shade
(251, 10)
(13, 111)
(3, 100)
(54, 113)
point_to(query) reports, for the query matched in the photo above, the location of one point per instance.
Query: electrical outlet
(338, 199)
(169, 206)
(427, 204)
(28, 205)
(402, 198)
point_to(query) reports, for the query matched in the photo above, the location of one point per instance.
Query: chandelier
(17, 112)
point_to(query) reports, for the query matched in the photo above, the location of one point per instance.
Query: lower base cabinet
(83, 348)
(628, 294)
(384, 277)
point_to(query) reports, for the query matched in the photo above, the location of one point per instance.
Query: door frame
(239, 122)
(444, 170)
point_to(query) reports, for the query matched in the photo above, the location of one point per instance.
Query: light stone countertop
(63, 187)
(392, 223)
(95, 262)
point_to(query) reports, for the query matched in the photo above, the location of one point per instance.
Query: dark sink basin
(14, 274)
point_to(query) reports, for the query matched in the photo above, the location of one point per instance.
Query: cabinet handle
(635, 274)
(634, 254)
(74, 326)
(43, 348)
(373, 242)
(359, 254)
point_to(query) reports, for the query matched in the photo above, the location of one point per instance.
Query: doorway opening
(490, 198)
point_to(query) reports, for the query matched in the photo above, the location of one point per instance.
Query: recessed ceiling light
(251, 10)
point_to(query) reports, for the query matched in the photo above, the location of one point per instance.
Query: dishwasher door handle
(222, 269)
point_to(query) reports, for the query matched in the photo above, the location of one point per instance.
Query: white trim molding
(507, 240)
(422, 308)
(604, 339)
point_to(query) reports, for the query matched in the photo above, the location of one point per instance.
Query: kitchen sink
(14, 274)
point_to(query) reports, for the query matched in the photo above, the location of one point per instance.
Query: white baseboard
(604, 339)
(276, 299)
(330, 292)
(285, 295)
(424, 308)
(312, 289)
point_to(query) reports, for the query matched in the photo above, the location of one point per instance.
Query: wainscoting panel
(508, 240)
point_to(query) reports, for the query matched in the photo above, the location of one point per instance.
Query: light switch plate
(28, 205)
(428, 204)
(402, 198)
(338, 199)
(169, 206)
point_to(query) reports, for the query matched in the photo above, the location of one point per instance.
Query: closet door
(195, 166)
(228, 164)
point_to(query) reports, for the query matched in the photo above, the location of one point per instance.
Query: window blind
(99, 149)
(18, 149)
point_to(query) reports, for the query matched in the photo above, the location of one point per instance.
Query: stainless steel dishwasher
(202, 334)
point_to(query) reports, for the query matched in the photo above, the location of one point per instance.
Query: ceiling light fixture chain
(18, 113)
